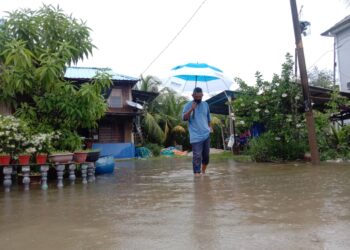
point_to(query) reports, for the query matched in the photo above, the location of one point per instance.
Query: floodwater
(159, 204)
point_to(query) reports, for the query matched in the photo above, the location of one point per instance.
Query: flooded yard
(159, 204)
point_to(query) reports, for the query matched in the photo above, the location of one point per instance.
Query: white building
(341, 33)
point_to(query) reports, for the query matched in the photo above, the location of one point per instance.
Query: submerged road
(159, 204)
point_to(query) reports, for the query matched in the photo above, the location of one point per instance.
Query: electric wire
(325, 53)
(174, 38)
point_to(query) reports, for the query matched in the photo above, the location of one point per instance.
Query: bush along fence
(26, 154)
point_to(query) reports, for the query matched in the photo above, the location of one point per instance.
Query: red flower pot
(23, 159)
(41, 159)
(5, 159)
(79, 157)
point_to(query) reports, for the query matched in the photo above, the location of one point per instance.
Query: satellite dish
(134, 105)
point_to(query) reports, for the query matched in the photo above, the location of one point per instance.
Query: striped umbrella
(184, 78)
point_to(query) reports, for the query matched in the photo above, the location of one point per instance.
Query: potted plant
(80, 156)
(16, 140)
(40, 158)
(10, 137)
(5, 158)
(43, 144)
(24, 159)
(61, 157)
(26, 152)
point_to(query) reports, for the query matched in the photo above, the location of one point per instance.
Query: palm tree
(170, 109)
(162, 118)
(218, 125)
(149, 83)
(149, 121)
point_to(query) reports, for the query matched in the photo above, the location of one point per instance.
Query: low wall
(118, 150)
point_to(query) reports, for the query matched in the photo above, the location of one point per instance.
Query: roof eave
(340, 26)
(115, 82)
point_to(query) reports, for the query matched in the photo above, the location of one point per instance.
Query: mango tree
(37, 46)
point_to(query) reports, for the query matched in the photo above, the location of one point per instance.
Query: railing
(10, 171)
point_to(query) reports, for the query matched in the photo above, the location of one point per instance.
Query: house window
(115, 99)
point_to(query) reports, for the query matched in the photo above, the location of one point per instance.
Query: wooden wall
(128, 136)
(126, 96)
(115, 129)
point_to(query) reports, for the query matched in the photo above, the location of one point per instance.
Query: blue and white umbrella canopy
(184, 78)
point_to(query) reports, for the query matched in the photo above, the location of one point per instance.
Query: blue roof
(217, 104)
(89, 73)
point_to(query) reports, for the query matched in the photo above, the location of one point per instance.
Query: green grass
(217, 156)
(229, 155)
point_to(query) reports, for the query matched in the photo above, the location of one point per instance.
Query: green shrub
(270, 147)
(67, 141)
(155, 148)
(344, 136)
(334, 143)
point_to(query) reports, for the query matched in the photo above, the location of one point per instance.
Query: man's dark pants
(200, 154)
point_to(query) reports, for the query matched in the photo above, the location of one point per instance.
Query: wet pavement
(159, 204)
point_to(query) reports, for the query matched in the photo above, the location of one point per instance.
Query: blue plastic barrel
(105, 165)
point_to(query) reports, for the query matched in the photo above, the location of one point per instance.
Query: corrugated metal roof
(143, 96)
(343, 24)
(88, 73)
(217, 104)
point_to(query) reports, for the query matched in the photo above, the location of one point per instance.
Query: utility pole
(315, 158)
(334, 60)
(230, 115)
(296, 63)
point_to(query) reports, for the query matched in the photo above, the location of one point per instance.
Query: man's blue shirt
(198, 121)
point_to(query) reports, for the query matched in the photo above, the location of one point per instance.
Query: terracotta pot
(61, 157)
(41, 158)
(5, 159)
(80, 157)
(23, 159)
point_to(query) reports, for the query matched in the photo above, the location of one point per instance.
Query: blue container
(105, 165)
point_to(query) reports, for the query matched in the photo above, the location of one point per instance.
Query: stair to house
(138, 136)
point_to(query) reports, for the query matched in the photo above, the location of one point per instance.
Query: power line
(325, 53)
(173, 39)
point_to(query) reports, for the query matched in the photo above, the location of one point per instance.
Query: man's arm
(186, 115)
(211, 129)
(209, 119)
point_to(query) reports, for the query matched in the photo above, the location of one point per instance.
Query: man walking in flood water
(197, 114)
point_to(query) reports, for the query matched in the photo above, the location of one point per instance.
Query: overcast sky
(239, 37)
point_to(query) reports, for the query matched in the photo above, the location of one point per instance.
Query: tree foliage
(333, 140)
(162, 121)
(37, 46)
(149, 83)
(276, 105)
(321, 78)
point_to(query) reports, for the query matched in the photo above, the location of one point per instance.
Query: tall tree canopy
(36, 47)
(321, 78)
